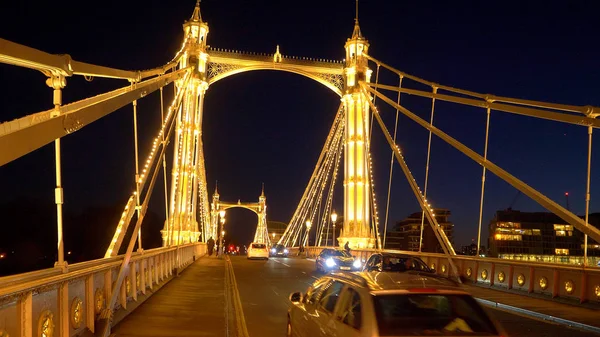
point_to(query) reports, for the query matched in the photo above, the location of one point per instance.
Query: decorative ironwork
(543, 282)
(521, 279)
(569, 287)
(46, 324)
(76, 312)
(501, 277)
(443, 268)
(216, 69)
(336, 79)
(469, 272)
(484, 274)
(99, 301)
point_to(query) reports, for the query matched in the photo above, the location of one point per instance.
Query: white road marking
(285, 264)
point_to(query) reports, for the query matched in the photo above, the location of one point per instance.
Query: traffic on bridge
(155, 225)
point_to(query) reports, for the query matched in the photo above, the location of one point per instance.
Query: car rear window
(258, 245)
(431, 314)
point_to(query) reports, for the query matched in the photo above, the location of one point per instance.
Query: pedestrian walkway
(538, 307)
(192, 304)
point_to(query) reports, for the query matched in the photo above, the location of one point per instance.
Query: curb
(537, 315)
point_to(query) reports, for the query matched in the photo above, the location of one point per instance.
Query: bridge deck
(194, 304)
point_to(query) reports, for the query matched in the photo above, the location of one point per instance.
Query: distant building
(539, 236)
(406, 233)
(472, 249)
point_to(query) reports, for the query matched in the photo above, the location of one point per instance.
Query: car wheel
(289, 329)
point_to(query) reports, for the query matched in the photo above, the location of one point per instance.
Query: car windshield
(431, 314)
(341, 253)
(258, 245)
(280, 247)
(397, 263)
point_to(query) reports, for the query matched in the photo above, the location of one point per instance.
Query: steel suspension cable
(371, 182)
(292, 231)
(427, 169)
(587, 196)
(336, 150)
(387, 205)
(374, 101)
(485, 150)
(164, 163)
(448, 249)
(321, 182)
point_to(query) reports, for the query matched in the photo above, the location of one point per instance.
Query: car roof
(398, 255)
(379, 282)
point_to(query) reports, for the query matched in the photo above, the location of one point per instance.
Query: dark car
(336, 259)
(279, 250)
(391, 262)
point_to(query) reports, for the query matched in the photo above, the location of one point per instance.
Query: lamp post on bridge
(222, 215)
(333, 219)
(273, 235)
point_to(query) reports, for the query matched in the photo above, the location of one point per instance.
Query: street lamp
(333, 220)
(273, 235)
(222, 214)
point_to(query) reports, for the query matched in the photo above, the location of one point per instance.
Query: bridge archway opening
(279, 121)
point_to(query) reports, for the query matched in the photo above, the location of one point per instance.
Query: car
(393, 262)
(336, 259)
(279, 250)
(387, 304)
(258, 251)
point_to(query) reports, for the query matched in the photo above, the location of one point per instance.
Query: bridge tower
(262, 234)
(188, 199)
(357, 188)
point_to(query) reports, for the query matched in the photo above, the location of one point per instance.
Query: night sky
(270, 126)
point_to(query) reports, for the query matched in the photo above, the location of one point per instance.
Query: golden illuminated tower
(189, 196)
(357, 190)
(262, 235)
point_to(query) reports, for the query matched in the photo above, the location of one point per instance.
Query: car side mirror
(296, 297)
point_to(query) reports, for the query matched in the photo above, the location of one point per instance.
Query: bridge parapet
(554, 281)
(70, 303)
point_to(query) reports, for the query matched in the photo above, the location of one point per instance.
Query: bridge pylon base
(356, 242)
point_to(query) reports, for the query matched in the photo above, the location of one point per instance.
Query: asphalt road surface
(265, 287)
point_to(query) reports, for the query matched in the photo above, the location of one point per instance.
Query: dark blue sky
(269, 126)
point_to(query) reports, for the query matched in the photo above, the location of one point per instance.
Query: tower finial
(262, 193)
(356, 33)
(216, 181)
(196, 15)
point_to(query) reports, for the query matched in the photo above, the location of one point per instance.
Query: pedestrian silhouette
(211, 246)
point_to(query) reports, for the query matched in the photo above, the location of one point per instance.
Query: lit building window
(561, 251)
(508, 237)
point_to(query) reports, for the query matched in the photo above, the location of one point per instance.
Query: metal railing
(70, 303)
(552, 280)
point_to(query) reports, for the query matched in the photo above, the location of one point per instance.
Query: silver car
(387, 304)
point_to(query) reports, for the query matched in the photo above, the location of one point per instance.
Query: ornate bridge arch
(218, 209)
(225, 63)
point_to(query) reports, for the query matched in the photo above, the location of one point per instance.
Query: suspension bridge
(99, 296)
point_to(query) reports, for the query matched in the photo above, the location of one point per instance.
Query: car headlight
(329, 262)
(285, 251)
(273, 250)
(357, 264)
